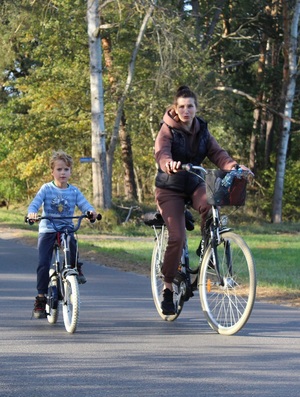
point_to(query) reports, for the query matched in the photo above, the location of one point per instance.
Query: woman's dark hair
(185, 92)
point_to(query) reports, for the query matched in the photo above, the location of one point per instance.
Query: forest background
(235, 54)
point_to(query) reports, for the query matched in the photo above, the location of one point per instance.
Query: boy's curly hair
(61, 155)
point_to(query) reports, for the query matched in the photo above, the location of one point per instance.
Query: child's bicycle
(63, 285)
(225, 276)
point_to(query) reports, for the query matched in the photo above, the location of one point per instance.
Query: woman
(183, 138)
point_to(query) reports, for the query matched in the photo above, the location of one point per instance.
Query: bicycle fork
(215, 241)
(223, 280)
(67, 269)
(182, 280)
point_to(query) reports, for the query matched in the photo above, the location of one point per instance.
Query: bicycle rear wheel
(227, 305)
(157, 284)
(52, 298)
(71, 303)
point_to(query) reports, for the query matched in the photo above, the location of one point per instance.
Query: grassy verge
(275, 249)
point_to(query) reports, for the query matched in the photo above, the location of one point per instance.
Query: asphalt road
(123, 348)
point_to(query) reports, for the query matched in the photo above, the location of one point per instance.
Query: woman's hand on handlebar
(247, 171)
(172, 167)
(244, 168)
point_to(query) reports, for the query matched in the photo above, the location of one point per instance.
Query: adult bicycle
(63, 284)
(225, 275)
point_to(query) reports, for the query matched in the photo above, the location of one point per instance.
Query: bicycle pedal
(180, 277)
(189, 294)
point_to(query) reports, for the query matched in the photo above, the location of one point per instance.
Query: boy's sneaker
(167, 304)
(80, 278)
(39, 310)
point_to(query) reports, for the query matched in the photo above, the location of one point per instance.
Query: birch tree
(290, 75)
(101, 190)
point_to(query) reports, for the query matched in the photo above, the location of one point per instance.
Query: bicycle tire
(227, 307)
(71, 303)
(52, 307)
(157, 284)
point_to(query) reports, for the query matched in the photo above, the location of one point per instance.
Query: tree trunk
(290, 74)
(131, 67)
(101, 192)
(272, 61)
(124, 136)
(129, 180)
(213, 23)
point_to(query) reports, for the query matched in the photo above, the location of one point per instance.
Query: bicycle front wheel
(71, 303)
(227, 301)
(157, 284)
(52, 298)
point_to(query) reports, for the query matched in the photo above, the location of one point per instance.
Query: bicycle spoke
(227, 301)
(157, 283)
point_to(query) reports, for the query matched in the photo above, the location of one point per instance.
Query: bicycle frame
(62, 268)
(63, 283)
(225, 275)
(214, 240)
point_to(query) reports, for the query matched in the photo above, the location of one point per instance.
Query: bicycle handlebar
(190, 167)
(52, 219)
(238, 171)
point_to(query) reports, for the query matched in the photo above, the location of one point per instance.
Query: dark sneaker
(39, 310)
(167, 304)
(80, 278)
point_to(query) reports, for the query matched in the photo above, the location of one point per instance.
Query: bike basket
(217, 194)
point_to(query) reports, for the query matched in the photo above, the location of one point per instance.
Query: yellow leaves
(34, 167)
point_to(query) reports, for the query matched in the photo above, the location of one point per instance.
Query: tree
(46, 88)
(102, 193)
(130, 189)
(130, 74)
(119, 130)
(291, 21)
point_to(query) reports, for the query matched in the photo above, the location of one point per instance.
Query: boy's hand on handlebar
(172, 167)
(32, 216)
(93, 216)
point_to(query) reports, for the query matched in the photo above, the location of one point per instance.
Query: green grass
(277, 259)
(130, 251)
(275, 248)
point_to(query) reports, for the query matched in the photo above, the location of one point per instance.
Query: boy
(57, 198)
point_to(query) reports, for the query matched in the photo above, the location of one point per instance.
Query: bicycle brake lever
(187, 167)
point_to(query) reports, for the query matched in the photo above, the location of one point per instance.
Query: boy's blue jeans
(45, 250)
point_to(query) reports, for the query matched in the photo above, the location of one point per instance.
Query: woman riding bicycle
(183, 138)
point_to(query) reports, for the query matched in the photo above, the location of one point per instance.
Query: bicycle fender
(69, 272)
(229, 229)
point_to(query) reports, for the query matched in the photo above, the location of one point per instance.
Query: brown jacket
(213, 151)
(174, 143)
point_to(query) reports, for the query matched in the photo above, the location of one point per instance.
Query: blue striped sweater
(58, 202)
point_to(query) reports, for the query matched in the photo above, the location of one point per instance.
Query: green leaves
(45, 81)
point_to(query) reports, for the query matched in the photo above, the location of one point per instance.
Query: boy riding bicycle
(58, 199)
